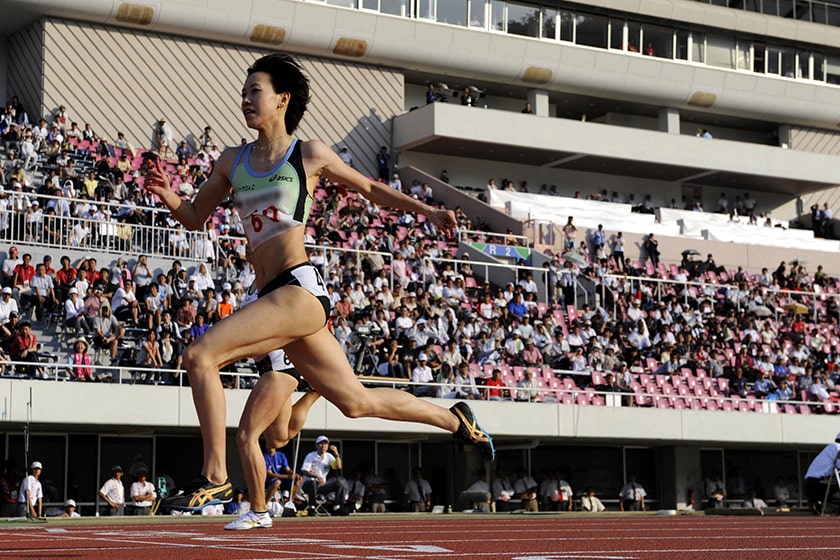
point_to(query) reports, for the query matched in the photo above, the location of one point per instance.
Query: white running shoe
(250, 520)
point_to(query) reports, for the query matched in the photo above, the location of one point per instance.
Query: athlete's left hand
(443, 219)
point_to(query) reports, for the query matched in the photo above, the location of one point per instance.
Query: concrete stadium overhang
(565, 144)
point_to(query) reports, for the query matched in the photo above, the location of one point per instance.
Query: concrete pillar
(539, 102)
(669, 120)
(680, 472)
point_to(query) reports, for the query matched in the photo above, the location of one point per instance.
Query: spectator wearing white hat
(315, 469)
(69, 510)
(421, 377)
(75, 315)
(31, 495)
(8, 305)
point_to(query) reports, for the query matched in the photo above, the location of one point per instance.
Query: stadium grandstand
(643, 281)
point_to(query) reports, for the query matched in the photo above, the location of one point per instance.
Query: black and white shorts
(306, 276)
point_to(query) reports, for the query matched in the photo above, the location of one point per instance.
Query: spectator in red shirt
(495, 387)
(25, 347)
(65, 277)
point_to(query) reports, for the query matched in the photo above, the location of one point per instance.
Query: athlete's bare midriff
(278, 254)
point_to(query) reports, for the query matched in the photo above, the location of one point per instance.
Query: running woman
(272, 180)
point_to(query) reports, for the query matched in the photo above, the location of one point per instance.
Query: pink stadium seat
(548, 373)
(518, 372)
(598, 400)
(598, 378)
(696, 404)
(712, 404)
(569, 384)
(804, 409)
(679, 404)
(726, 404)
(790, 409)
(662, 402)
(584, 399)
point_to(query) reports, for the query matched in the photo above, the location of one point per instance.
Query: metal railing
(108, 234)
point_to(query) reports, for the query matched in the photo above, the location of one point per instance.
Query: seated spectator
(477, 495)
(527, 389)
(81, 361)
(124, 303)
(591, 503)
(421, 377)
(75, 316)
(107, 332)
(753, 501)
(495, 388)
(25, 349)
(8, 305)
(148, 355)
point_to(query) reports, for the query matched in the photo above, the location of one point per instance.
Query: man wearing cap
(316, 466)
(821, 467)
(113, 493)
(8, 305)
(421, 377)
(31, 495)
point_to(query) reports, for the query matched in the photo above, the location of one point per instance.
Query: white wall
(64, 405)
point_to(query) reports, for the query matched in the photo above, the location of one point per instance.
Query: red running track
(518, 537)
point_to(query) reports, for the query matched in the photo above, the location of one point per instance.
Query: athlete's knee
(196, 361)
(361, 407)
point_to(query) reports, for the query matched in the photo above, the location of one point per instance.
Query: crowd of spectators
(439, 324)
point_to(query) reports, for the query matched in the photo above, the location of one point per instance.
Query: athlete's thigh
(321, 361)
(270, 402)
(271, 322)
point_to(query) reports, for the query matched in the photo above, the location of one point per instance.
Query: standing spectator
(346, 156)
(822, 466)
(502, 491)
(383, 162)
(525, 488)
(651, 246)
(31, 494)
(715, 491)
(599, 242)
(163, 138)
(113, 492)
(569, 232)
(631, 497)
(418, 491)
(142, 493)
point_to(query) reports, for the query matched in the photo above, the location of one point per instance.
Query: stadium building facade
(618, 94)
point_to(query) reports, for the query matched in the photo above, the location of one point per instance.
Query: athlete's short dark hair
(286, 75)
